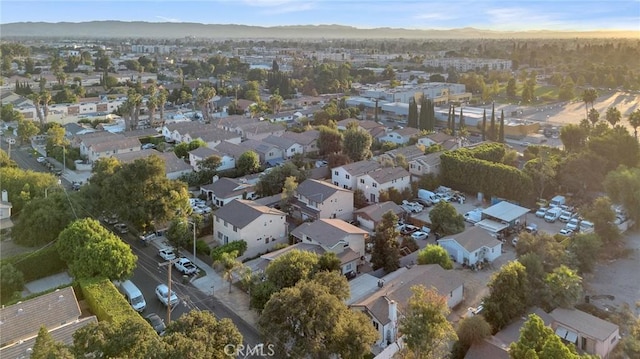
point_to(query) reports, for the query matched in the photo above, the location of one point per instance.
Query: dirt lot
(618, 278)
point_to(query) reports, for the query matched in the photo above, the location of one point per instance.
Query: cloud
(168, 19)
(435, 16)
(275, 7)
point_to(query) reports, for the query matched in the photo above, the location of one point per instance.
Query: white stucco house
(315, 199)
(201, 153)
(224, 190)
(472, 246)
(368, 217)
(288, 146)
(373, 182)
(587, 332)
(243, 220)
(346, 176)
(399, 136)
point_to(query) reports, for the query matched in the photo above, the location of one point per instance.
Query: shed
(505, 212)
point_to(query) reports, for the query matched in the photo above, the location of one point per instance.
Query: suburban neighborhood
(341, 197)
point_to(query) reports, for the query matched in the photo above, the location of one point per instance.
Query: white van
(586, 227)
(552, 214)
(133, 295)
(428, 196)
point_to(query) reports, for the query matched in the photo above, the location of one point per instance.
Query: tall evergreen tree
(461, 125)
(424, 114)
(431, 123)
(501, 131)
(484, 125)
(449, 118)
(453, 120)
(492, 125)
(413, 114)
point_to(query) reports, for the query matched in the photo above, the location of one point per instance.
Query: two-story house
(370, 216)
(373, 182)
(231, 150)
(268, 153)
(288, 146)
(346, 176)
(387, 302)
(242, 220)
(107, 145)
(202, 153)
(259, 130)
(315, 199)
(375, 129)
(335, 235)
(424, 165)
(307, 139)
(224, 190)
(212, 137)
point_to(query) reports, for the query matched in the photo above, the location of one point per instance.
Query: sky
(514, 15)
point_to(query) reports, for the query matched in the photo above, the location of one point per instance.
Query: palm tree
(275, 102)
(589, 96)
(634, 121)
(162, 100)
(593, 116)
(45, 99)
(126, 110)
(135, 99)
(35, 98)
(152, 105)
(203, 98)
(230, 266)
(613, 116)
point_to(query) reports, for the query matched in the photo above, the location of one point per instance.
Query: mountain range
(173, 30)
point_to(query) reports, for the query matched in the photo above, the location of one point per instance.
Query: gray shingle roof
(474, 238)
(303, 138)
(228, 187)
(279, 141)
(386, 174)
(327, 232)
(584, 323)
(203, 152)
(375, 211)
(241, 212)
(361, 167)
(230, 149)
(318, 191)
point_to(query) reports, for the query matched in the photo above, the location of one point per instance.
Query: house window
(613, 340)
(376, 325)
(335, 173)
(362, 180)
(348, 267)
(374, 185)
(335, 183)
(235, 229)
(347, 176)
(219, 235)
(226, 223)
(266, 240)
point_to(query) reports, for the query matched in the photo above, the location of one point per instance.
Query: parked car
(408, 229)
(531, 228)
(197, 210)
(552, 214)
(146, 237)
(565, 216)
(419, 235)
(473, 216)
(167, 254)
(121, 228)
(205, 209)
(541, 212)
(185, 266)
(156, 322)
(586, 227)
(162, 292)
(566, 232)
(422, 202)
(574, 224)
(41, 160)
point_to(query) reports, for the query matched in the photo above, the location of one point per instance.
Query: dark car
(156, 322)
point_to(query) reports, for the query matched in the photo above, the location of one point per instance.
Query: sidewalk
(213, 284)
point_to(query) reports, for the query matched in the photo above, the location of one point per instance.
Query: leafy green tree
(329, 326)
(11, 281)
(564, 287)
(291, 267)
(46, 347)
(601, 214)
(385, 253)
(434, 254)
(616, 146)
(199, 335)
(91, 250)
(334, 282)
(567, 88)
(585, 248)
(555, 348)
(508, 295)
(329, 140)
(180, 233)
(613, 116)
(357, 144)
(329, 261)
(427, 332)
(272, 183)
(545, 246)
(533, 336)
(623, 186)
(359, 199)
(23, 185)
(472, 330)
(248, 163)
(5, 161)
(536, 275)
(412, 120)
(511, 88)
(573, 137)
(131, 338)
(42, 219)
(56, 137)
(501, 128)
(542, 171)
(26, 130)
(445, 219)
(210, 164)
(288, 193)
(492, 134)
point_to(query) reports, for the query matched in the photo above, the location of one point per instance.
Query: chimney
(215, 179)
(5, 196)
(393, 312)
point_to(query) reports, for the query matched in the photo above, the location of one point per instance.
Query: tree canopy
(508, 295)
(386, 253)
(445, 219)
(435, 254)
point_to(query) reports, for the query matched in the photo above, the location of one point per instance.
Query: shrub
(106, 302)
(240, 246)
(39, 264)
(410, 244)
(11, 281)
(202, 247)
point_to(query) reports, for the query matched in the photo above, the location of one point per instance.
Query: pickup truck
(185, 266)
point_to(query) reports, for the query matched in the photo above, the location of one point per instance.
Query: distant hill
(172, 30)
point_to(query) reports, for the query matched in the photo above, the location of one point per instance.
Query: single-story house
(202, 153)
(472, 246)
(399, 136)
(224, 190)
(588, 333)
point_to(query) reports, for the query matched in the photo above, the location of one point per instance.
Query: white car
(167, 254)
(205, 208)
(566, 232)
(162, 292)
(419, 235)
(541, 212)
(197, 210)
(41, 160)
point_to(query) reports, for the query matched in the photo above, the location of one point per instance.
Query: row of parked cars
(135, 298)
(199, 206)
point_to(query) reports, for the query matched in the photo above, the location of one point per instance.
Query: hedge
(107, 303)
(39, 264)
(240, 246)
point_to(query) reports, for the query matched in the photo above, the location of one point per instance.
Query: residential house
(399, 136)
(497, 346)
(370, 216)
(386, 302)
(307, 139)
(375, 129)
(425, 164)
(5, 205)
(373, 182)
(191, 130)
(447, 142)
(224, 190)
(231, 150)
(260, 226)
(174, 167)
(270, 154)
(288, 146)
(107, 145)
(316, 199)
(212, 137)
(259, 130)
(202, 153)
(588, 333)
(472, 246)
(346, 176)
(335, 235)
(57, 311)
(72, 129)
(408, 152)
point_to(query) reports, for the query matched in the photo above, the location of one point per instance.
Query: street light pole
(194, 239)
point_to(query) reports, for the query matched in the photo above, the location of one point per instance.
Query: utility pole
(169, 264)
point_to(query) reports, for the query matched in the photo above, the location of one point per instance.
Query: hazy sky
(483, 14)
